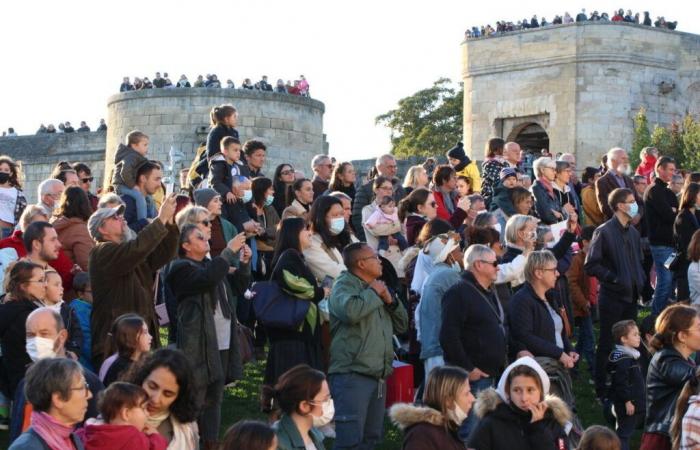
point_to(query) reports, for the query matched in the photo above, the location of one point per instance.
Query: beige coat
(295, 210)
(323, 261)
(75, 239)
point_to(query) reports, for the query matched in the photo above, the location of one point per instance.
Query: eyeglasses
(490, 263)
(370, 257)
(553, 269)
(87, 180)
(85, 388)
(205, 222)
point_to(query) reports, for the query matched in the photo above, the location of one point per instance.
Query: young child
(82, 307)
(127, 160)
(628, 387)
(579, 288)
(386, 214)
(131, 339)
(598, 437)
(54, 299)
(520, 414)
(223, 167)
(502, 192)
(123, 410)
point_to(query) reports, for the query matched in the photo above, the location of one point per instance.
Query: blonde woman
(416, 177)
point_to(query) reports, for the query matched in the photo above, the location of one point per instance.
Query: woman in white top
(331, 234)
(12, 200)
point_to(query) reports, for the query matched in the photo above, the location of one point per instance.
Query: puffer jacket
(424, 428)
(362, 326)
(75, 239)
(668, 372)
(505, 427)
(126, 163)
(471, 171)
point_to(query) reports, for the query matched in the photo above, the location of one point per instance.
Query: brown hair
(494, 147)
(120, 395)
(689, 195)
(672, 320)
(298, 384)
(524, 371)
(621, 329)
(134, 137)
(17, 275)
(598, 437)
(442, 388)
(432, 228)
(219, 113)
(618, 196)
(410, 203)
(483, 235)
(229, 140)
(15, 171)
(469, 182)
(248, 435)
(74, 203)
(125, 333)
(442, 174)
(519, 194)
(336, 184)
(689, 388)
(694, 247)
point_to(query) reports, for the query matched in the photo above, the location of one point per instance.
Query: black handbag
(275, 308)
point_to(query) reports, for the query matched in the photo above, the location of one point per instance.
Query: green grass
(242, 402)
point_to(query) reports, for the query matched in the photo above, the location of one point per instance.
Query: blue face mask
(634, 209)
(337, 225)
(269, 200)
(247, 195)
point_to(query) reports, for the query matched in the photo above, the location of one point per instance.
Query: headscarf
(524, 361)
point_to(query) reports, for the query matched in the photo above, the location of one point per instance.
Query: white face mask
(551, 244)
(328, 413)
(337, 225)
(457, 415)
(40, 348)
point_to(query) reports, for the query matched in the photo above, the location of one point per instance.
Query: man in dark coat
(323, 168)
(661, 208)
(615, 259)
(122, 272)
(617, 176)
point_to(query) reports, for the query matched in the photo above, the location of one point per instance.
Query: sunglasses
(87, 180)
(205, 222)
(491, 263)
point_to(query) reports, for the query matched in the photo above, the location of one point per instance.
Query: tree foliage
(426, 123)
(680, 140)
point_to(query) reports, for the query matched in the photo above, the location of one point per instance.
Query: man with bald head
(46, 338)
(617, 176)
(386, 166)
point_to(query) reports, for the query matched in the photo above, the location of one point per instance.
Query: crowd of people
(504, 26)
(479, 278)
(63, 127)
(299, 87)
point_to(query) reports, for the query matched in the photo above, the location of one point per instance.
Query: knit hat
(508, 172)
(202, 197)
(98, 218)
(457, 152)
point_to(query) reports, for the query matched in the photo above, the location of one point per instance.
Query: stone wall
(290, 126)
(39, 154)
(583, 83)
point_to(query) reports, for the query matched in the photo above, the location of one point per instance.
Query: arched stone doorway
(530, 136)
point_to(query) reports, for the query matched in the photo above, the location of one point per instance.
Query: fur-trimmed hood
(487, 401)
(405, 415)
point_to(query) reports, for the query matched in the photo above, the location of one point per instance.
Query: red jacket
(119, 437)
(63, 264)
(456, 218)
(646, 167)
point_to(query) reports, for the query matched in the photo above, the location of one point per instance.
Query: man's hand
(250, 227)
(246, 254)
(166, 214)
(569, 209)
(237, 242)
(629, 408)
(477, 374)
(381, 289)
(566, 360)
(230, 198)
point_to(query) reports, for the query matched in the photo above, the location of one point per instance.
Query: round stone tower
(290, 126)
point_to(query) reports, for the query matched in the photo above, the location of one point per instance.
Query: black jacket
(626, 381)
(75, 333)
(505, 427)
(473, 332)
(684, 227)
(13, 336)
(615, 258)
(220, 178)
(661, 207)
(532, 325)
(667, 375)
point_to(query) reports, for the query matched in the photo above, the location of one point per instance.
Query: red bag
(399, 385)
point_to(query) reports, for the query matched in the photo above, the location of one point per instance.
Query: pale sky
(62, 60)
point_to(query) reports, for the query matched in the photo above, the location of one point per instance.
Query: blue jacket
(545, 203)
(430, 308)
(32, 441)
(83, 310)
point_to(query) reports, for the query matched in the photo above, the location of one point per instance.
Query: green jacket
(362, 327)
(288, 437)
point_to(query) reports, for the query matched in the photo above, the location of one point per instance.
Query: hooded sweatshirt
(504, 426)
(119, 437)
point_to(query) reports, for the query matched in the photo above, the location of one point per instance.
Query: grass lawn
(242, 402)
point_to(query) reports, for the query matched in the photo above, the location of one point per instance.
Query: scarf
(629, 351)
(547, 185)
(185, 435)
(447, 200)
(462, 164)
(56, 435)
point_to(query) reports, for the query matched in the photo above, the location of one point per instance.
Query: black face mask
(4, 177)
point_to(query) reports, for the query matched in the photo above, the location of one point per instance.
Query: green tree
(691, 143)
(642, 138)
(428, 122)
